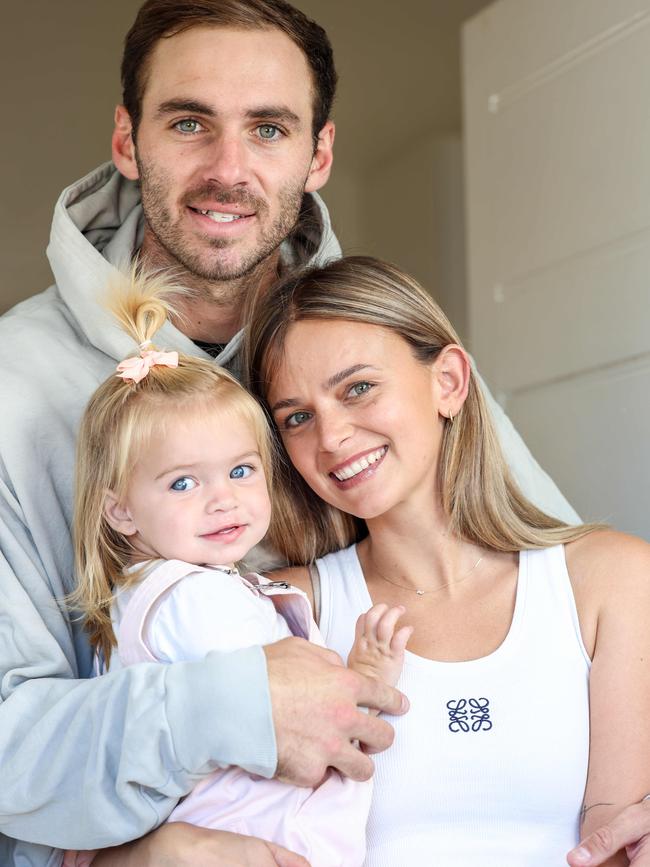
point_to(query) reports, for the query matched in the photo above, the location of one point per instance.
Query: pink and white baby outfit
(180, 611)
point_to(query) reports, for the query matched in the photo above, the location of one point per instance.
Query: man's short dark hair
(159, 19)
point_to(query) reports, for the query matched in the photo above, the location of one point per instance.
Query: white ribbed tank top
(489, 766)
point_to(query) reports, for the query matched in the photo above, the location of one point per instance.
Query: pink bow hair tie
(137, 367)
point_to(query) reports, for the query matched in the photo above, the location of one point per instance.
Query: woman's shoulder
(608, 551)
(610, 564)
(297, 576)
(610, 578)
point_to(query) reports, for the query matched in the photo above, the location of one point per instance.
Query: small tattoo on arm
(585, 809)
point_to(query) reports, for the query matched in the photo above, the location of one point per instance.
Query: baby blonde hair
(118, 423)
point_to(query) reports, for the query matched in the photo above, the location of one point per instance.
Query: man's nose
(228, 161)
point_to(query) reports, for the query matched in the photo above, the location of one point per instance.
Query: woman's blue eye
(243, 471)
(268, 131)
(296, 419)
(188, 125)
(360, 388)
(183, 484)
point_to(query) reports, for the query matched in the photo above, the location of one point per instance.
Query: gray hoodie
(94, 762)
(87, 763)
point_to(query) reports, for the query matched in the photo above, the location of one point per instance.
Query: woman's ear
(451, 371)
(118, 515)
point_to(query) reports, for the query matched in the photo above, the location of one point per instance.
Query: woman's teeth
(363, 463)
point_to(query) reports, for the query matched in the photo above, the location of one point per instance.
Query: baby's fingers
(400, 639)
(387, 622)
(372, 617)
(360, 628)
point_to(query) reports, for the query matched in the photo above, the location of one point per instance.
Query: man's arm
(184, 845)
(534, 483)
(630, 830)
(92, 763)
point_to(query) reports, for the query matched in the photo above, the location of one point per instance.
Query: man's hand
(181, 845)
(316, 714)
(630, 830)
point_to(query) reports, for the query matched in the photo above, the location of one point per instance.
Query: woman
(526, 672)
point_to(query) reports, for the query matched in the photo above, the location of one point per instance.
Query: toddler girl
(172, 492)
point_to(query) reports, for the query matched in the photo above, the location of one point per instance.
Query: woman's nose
(334, 429)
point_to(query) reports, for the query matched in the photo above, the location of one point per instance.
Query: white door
(557, 127)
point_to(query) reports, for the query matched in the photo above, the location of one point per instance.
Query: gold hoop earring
(451, 417)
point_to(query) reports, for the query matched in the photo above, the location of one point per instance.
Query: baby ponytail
(142, 302)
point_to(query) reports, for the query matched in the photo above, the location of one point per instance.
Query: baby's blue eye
(185, 483)
(241, 472)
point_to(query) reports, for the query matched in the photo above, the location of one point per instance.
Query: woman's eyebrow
(339, 377)
(332, 382)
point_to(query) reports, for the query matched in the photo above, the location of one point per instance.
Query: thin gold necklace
(435, 589)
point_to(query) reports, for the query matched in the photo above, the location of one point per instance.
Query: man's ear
(451, 374)
(321, 164)
(118, 515)
(123, 146)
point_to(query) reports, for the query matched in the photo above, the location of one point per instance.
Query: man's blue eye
(268, 131)
(183, 484)
(242, 471)
(187, 125)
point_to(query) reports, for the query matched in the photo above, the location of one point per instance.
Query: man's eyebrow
(274, 112)
(279, 113)
(332, 382)
(191, 106)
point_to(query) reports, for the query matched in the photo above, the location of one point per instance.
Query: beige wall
(414, 217)
(62, 62)
(398, 115)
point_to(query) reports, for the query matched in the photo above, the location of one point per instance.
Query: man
(630, 830)
(225, 133)
(226, 125)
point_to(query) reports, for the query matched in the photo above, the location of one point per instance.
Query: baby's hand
(378, 651)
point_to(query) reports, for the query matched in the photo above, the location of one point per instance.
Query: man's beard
(191, 253)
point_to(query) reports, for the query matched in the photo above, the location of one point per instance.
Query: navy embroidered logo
(458, 715)
(469, 714)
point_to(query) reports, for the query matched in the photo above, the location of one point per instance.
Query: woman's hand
(178, 844)
(629, 830)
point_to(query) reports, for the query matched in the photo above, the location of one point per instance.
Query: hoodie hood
(97, 228)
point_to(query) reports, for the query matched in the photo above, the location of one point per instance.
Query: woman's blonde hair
(117, 424)
(478, 493)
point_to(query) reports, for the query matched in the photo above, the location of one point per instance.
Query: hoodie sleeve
(534, 483)
(88, 763)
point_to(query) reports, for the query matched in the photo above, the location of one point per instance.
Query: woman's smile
(359, 415)
(358, 468)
